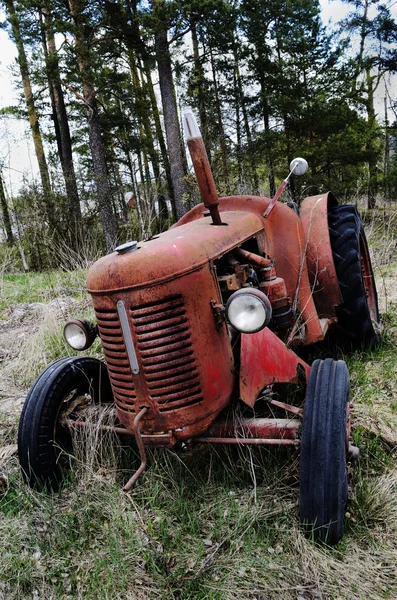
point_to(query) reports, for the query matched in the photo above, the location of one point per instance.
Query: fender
(320, 262)
(265, 359)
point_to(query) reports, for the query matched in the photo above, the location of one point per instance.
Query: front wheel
(324, 446)
(44, 438)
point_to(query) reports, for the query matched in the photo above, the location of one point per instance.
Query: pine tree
(61, 120)
(6, 214)
(47, 204)
(170, 112)
(83, 30)
(375, 56)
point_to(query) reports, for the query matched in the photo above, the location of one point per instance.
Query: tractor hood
(173, 253)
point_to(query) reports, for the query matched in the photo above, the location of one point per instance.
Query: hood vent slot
(117, 360)
(166, 352)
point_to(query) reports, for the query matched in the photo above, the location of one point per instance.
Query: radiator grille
(166, 352)
(116, 359)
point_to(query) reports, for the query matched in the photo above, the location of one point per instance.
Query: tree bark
(94, 128)
(268, 150)
(6, 215)
(61, 119)
(159, 131)
(222, 137)
(238, 129)
(241, 101)
(48, 208)
(170, 112)
(151, 150)
(199, 90)
(372, 166)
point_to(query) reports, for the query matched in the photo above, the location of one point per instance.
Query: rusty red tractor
(206, 316)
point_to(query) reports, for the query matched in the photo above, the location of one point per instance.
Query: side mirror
(298, 166)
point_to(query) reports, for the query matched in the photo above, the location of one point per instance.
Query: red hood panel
(175, 252)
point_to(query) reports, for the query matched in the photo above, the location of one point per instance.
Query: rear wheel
(60, 392)
(324, 446)
(358, 316)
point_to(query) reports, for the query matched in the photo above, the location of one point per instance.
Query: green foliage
(261, 94)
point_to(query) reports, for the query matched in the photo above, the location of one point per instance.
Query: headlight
(248, 310)
(79, 334)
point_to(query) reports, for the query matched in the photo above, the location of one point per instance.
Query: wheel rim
(368, 281)
(63, 443)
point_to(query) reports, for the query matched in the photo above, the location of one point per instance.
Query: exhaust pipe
(201, 165)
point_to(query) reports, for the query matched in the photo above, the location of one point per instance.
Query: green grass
(195, 527)
(373, 376)
(18, 288)
(45, 342)
(213, 523)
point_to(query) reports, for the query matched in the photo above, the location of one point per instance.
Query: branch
(68, 87)
(179, 35)
(105, 38)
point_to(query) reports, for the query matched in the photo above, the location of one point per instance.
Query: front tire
(358, 316)
(324, 445)
(44, 440)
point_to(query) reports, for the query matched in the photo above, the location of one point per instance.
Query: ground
(211, 524)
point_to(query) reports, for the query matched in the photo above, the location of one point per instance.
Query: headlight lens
(248, 310)
(79, 334)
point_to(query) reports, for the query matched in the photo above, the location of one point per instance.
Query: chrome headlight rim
(250, 293)
(85, 327)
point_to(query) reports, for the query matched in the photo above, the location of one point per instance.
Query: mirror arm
(283, 185)
(277, 195)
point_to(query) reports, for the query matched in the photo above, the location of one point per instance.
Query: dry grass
(210, 524)
(197, 526)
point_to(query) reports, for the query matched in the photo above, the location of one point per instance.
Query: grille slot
(117, 359)
(166, 352)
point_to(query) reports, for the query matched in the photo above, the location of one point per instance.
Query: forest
(102, 84)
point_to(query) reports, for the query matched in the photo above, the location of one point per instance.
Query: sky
(16, 148)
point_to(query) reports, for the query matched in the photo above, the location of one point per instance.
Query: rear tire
(358, 316)
(44, 440)
(324, 445)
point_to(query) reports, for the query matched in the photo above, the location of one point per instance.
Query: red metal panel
(186, 362)
(174, 253)
(320, 262)
(264, 360)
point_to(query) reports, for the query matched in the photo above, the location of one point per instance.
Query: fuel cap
(127, 247)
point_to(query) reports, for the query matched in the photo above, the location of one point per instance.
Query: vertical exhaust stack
(201, 165)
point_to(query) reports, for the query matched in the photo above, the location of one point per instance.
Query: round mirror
(298, 166)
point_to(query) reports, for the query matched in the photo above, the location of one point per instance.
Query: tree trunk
(199, 90)
(145, 134)
(6, 215)
(222, 138)
(372, 166)
(241, 101)
(94, 128)
(170, 112)
(268, 150)
(159, 131)
(61, 119)
(32, 114)
(238, 129)
(151, 150)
